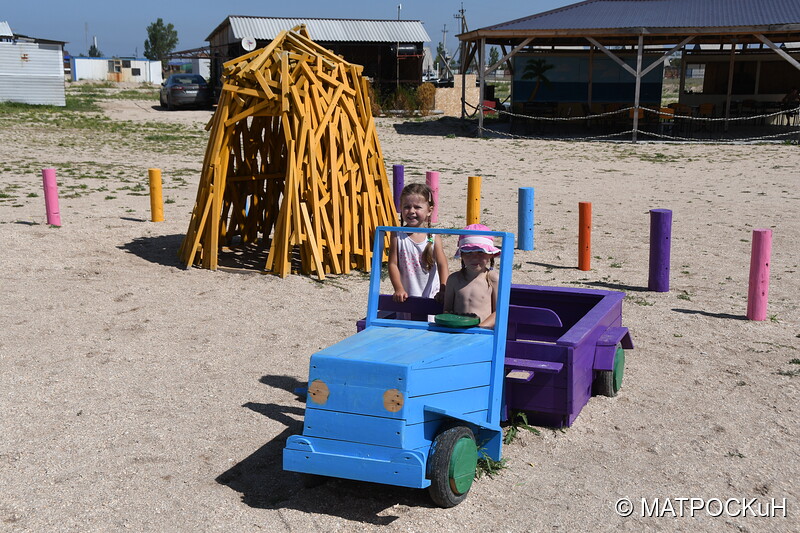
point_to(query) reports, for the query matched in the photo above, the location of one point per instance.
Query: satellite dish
(249, 43)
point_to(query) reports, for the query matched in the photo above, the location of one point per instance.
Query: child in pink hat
(473, 289)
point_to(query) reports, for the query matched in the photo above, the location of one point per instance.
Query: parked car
(185, 90)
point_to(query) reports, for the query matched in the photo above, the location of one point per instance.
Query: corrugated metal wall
(32, 73)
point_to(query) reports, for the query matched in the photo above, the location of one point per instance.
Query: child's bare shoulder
(494, 277)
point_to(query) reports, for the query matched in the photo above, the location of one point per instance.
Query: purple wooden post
(51, 196)
(660, 244)
(398, 177)
(432, 179)
(759, 274)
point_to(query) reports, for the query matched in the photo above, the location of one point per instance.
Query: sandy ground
(136, 394)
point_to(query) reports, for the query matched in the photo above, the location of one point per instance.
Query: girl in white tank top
(417, 263)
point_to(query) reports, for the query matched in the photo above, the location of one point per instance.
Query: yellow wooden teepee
(293, 161)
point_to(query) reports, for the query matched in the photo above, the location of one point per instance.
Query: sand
(137, 394)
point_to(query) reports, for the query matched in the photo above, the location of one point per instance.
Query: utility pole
(444, 50)
(397, 50)
(462, 58)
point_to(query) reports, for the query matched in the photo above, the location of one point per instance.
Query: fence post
(758, 290)
(398, 179)
(584, 235)
(156, 200)
(474, 200)
(51, 196)
(660, 246)
(525, 218)
(432, 179)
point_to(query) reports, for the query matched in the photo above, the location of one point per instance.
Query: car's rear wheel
(608, 382)
(170, 105)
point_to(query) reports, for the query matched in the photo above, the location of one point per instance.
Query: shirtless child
(473, 289)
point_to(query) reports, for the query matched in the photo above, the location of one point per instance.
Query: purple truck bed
(558, 340)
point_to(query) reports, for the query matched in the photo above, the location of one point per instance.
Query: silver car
(184, 90)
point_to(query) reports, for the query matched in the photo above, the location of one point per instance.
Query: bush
(405, 99)
(374, 104)
(426, 96)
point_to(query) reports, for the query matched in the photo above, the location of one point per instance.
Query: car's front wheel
(454, 459)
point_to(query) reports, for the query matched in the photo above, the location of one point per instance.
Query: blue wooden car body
(378, 399)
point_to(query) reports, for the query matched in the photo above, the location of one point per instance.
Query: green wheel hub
(463, 462)
(619, 367)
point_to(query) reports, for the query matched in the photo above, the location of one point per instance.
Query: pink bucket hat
(476, 243)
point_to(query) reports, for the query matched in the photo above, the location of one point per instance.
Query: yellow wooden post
(156, 201)
(474, 200)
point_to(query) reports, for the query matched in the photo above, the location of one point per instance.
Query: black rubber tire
(604, 383)
(161, 101)
(170, 107)
(442, 490)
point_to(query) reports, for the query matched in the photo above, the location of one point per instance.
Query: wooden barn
(391, 51)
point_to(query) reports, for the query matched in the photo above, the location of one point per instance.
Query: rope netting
(667, 124)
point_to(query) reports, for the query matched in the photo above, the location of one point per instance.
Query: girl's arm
(441, 265)
(488, 322)
(400, 294)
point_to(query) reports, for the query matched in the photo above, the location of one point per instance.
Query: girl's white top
(416, 280)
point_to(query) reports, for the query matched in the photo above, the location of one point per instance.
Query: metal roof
(330, 30)
(597, 14)
(5, 29)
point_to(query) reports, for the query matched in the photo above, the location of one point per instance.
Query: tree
(161, 40)
(494, 56)
(535, 70)
(95, 52)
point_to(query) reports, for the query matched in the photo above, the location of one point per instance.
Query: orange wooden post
(474, 200)
(156, 202)
(584, 235)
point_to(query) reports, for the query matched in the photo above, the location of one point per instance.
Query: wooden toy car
(414, 404)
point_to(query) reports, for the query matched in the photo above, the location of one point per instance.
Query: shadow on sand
(161, 249)
(263, 484)
(440, 127)
(726, 316)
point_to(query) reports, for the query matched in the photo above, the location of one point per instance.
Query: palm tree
(535, 69)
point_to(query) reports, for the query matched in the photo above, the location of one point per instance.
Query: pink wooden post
(51, 196)
(759, 274)
(432, 179)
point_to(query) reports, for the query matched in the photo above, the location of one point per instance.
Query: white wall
(97, 68)
(32, 73)
(89, 68)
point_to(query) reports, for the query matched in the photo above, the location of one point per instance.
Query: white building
(116, 69)
(31, 70)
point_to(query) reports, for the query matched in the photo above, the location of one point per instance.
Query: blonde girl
(417, 263)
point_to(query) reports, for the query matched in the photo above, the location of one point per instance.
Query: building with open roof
(599, 53)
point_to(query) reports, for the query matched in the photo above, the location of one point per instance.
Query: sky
(121, 26)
